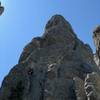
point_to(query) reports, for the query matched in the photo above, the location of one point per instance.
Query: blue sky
(25, 19)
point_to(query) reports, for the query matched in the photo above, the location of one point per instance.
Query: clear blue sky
(25, 19)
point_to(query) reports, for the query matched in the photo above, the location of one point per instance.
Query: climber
(1, 9)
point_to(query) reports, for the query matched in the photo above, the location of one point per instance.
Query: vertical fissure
(42, 86)
(17, 92)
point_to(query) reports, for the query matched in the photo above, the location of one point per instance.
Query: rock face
(96, 37)
(92, 86)
(92, 80)
(1, 9)
(52, 67)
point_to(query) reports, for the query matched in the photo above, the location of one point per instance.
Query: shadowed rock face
(51, 67)
(1, 9)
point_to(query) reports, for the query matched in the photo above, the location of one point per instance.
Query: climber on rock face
(1, 9)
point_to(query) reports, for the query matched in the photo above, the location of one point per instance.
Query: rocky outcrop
(1, 9)
(96, 37)
(54, 66)
(92, 86)
(92, 80)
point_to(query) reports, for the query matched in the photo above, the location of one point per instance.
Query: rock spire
(55, 66)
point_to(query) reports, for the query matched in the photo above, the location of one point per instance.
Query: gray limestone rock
(79, 89)
(92, 80)
(51, 67)
(96, 37)
(92, 86)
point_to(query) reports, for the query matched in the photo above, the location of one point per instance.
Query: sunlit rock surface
(51, 67)
(92, 80)
(92, 86)
(96, 37)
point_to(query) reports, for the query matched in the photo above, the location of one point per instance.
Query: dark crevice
(17, 92)
(42, 86)
(30, 72)
(72, 95)
(30, 75)
(58, 72)
(75, 45)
